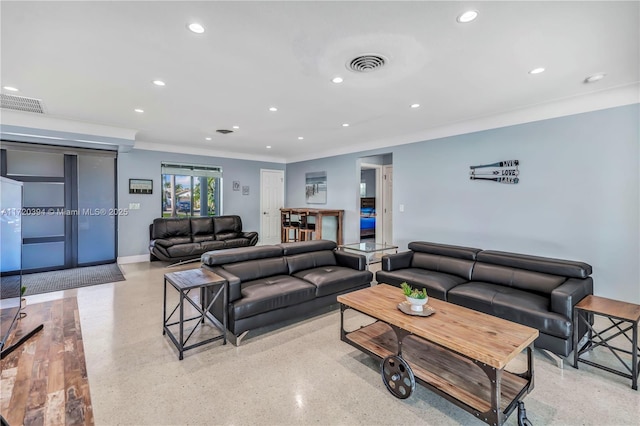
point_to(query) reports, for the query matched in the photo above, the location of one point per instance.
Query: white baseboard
(133, 259)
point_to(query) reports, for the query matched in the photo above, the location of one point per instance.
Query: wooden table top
(479, 336)
(614, 308)
(193, 278)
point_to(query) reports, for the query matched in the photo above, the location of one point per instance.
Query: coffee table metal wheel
(397, 376)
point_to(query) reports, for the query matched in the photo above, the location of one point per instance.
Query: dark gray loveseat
(178, 239)
(268, 284)
(539, 292)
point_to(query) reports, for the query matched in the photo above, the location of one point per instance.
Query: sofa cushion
(201, 226)
(267, 294)
(212, 245)
(458, 252)
(227, 227)
(307, 246)
(256, 269)
(333, 279)
(240, 255)
(517, 278)
(166, 228)
(438, 263)
(314, 259)
(183, 250)
(547, 265)
(437, 284)
(512, 304)
(236, 242)
(168, 242)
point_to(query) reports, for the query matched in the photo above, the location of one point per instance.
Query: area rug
(44, 381)
(44, 282)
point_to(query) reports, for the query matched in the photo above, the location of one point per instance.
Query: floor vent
(20, 103)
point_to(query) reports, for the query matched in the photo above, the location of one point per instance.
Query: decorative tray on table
(406, 308)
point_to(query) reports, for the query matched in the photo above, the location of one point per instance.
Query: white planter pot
(417, 304)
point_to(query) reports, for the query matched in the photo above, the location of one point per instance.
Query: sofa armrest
(251, 236)
(391, 262)
(234, 282)
(351, 260)
(565, 296)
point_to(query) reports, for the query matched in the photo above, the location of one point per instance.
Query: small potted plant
(417, 298)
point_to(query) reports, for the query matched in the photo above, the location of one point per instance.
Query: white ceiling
(95, 61)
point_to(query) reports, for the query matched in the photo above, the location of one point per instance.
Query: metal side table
(621, 314)
(184, 282)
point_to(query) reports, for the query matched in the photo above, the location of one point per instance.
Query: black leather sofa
(179, 239)
(539, 292)
(268, 284)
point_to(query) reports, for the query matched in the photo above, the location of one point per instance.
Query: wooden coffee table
(456, 352)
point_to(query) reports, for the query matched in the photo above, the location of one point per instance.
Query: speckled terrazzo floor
(297, 373)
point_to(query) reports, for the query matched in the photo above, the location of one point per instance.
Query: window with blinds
(191, 190)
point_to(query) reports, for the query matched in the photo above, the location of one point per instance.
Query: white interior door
(387, 204)
(271, 200)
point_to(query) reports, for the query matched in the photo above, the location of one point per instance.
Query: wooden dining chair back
(290, 227)
(306, 229)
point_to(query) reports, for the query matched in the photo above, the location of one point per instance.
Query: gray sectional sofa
(539, 292)
(268, 284)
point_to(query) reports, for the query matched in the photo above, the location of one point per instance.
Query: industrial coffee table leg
(181, 323)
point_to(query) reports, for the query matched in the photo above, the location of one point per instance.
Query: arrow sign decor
(502, 172)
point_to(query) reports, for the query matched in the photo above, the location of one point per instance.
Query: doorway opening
(375, 199)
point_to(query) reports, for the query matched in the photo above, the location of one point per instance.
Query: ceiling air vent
(20, 103)
(366, 63)
(224, 131)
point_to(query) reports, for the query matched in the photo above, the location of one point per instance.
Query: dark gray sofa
(268, 284)
(539, 292)
(179, 239)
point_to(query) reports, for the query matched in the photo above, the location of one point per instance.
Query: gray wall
(133, 229)
(578, 196)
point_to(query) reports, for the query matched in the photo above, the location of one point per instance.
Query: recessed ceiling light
(196, 28)
(268, 146)
(236, 127)
(300, 138)
(467, 16)
(273, 109)
(139, 110)
(591, 79)
(345, 125)
(337, 80)
(208, 138)
(415, 105)
(536, 70)
(158, 82)
(11, 89)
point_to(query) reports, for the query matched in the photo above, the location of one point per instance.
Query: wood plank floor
(44, 382)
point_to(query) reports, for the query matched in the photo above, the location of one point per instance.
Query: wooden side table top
(193, 278)
(610, 307)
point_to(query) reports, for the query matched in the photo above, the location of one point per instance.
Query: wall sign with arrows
(501, 172)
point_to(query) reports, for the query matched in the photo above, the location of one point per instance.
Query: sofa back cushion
(459, 252)
(449, 265)
(300, 262)
(167, 228)
(307, 246)
(202, 229)
(547, 265)
(537, 282)
(255, 269)
(241, 254)
(227, 227)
